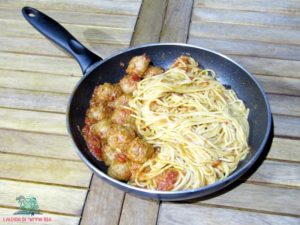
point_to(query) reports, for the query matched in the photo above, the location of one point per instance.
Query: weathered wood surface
(173, 214)
(103, 205)
(177, 19)
(55, 219)
(36, 79)
(51, 198)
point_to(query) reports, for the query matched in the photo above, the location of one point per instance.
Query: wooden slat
(96, 34)
(45, 47)
(136, 206)
(240, 32)
(289, 7)
(265, 66)
(248, 48)
(33, 121)
(103, 205)
(50, 198)
(108, 7)
(285, 149)
(36, 144)
(287, 126)
(173, 214)
(281, 21)
(280, 85)
(6, 213)
(37, 81)
(36, 169)
(38, 63)
(33, 100)
(176, 23)
(278, 173)
(75, 17)
(281, 104)
(259, 197)
(152, 12)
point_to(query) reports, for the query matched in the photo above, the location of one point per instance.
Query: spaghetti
(198, 128)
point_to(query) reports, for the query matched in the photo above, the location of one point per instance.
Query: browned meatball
(152, 71)
(120, 101)
(108, 154)
(98, 111)
(138, 65)
(120, 137)
(106, 92)
(119, 170)
(129, 83)
(101, 128)
(122, 116)
(139, 151)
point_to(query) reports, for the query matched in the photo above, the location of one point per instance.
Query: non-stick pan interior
(228, 73)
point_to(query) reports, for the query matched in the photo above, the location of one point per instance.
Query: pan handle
(60, 36)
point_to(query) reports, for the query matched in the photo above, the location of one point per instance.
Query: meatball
(108, 154)
(120, 136)
(106, 92)
(101, 128)
(152, 71)
(119, 170)
(138, 65)
(129, 83)
(98, 111)
(93, 142)
(122, 116)
(139, 151)
(121, 101)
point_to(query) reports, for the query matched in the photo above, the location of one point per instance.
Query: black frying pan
(97, 71)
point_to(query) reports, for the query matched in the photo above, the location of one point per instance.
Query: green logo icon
(28, 206)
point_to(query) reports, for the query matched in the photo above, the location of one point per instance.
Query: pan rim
(174, 194)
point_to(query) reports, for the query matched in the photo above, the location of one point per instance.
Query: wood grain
(119, 7)
(75, 17)
(90, 33)
(278, 6)
(248, 48)
(249, 18)
(280, 85)
(149, 24)
(6, 213)
(37, 81)
(286, 126)
(103, 205)
(50, 198)
(139, 211)
(33, 121)
(37, 144)
(36, 169)
(284, 173)
(33, 100)
(266, 66)
(178, 214)
(259, 197)
(39, 63)
(286, 105)
(34, 46)
(241, 32)
(279, 150)
(176, 23)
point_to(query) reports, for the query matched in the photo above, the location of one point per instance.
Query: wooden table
(36, 79)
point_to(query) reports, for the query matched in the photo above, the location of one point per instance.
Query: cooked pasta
(198, 128)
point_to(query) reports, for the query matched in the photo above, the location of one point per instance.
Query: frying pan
(97, 71)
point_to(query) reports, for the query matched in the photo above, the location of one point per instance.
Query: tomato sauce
(166, 180)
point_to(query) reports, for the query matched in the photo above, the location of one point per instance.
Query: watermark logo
(29, 212)
(28, 206)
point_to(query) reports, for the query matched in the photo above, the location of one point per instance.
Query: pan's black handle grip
(60, 36)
